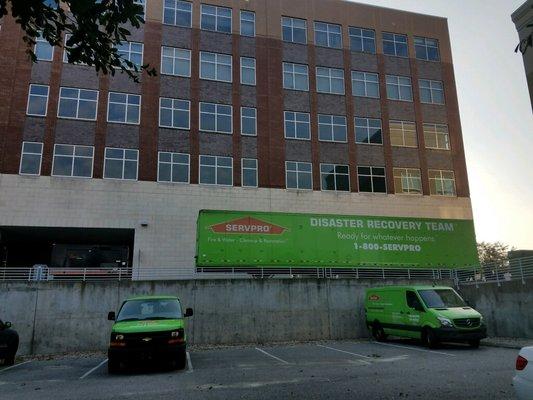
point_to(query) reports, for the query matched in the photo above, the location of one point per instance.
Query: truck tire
(9, 360)
(429, 338)
(181, 360)
(378, 333)
(113, 366)
(474, 343)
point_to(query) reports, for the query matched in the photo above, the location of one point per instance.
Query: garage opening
(25, 247)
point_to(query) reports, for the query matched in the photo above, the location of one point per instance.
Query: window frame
(172, 164)
(431, 89)
(22, 153)
(216, 15)
(291, 27)
(332, 125)
(296, 122)
(254, 68)
(395, 43)
(433, 181)
(127, 104)
(330, 78)
(37, 95)
(436, 133)
(175, 11)
(255, 121)
(256, 169)
(426, 46)
(174, 60)
(78, 104)
(297, 171)
(123, 159)
(366, 82)
(172, 110)
(372, 176)
(408, 177)
(39, 40)
(328, 33)
(74, 146)
(216, 64)
(367, 127)
(130, 52)
(351, 37)
(243, 12)
(335, 174)
(293, 76)
(403, 124)
(216, 170)
(399, 85)
(217, 105)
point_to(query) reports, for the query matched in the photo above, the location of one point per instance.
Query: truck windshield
(441, 298)
(138, 310)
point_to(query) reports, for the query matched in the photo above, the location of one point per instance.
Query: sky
(496, 114)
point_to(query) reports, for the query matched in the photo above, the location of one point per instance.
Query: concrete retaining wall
(61, 317)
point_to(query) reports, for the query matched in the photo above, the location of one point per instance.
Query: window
(173, 167)
(441, 183)
(368, 131)
(295, 76)
(67, 49)
(436, 136)
(37, 100)
(30, 159)
(174, 113)
(403, 134)
(362, 40)
(132, 52)
(335, 177)
(329, 80)
(328, 35)
(399, 88)
(121, 163)
(248, 71)
(247, 23)
(43, 50)
(73, 161)
(431, 92)
(395, 45)
(248, 121)
(332, 128)
(124, 108)
(294, 30)
(176, 12)
(77, 103)
(175, 61)
(249, 172)
(299, 175)
(427, 49)
(407, 181)
(365, 84)
(372, 179)
(216, 19)
(297, 125)
(142, 3)
(216, 67)
(216, 170)
(216, 118)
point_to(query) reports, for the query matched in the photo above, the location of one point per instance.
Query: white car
(523, 381)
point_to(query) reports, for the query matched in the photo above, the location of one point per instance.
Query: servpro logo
(374, 297)
(248, 225)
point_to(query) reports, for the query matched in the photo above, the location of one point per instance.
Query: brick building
(304, 106)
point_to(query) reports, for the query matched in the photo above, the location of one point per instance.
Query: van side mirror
(189, 312)
(7, 325)
(111, 316)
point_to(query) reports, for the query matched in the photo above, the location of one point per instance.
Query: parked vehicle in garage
(9, 343)
(148, 328)
(432, 314)
(523, 380)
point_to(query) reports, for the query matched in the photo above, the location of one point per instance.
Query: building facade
(323, 106)
(523, 20)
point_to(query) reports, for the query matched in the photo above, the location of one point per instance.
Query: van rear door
(412, 314)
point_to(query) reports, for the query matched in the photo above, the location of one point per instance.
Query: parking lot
(323, 370)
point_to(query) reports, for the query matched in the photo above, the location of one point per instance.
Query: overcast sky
(495, 113)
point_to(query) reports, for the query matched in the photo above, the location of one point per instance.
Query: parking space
(344, 369)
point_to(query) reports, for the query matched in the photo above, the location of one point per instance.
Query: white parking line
(414, 348)
(347, 352)
(85, 375)
(14, 366)
(189, 364)
(271, 355)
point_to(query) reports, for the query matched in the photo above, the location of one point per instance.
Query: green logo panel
(257, 239)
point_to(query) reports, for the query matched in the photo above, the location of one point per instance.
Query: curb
(502, 345)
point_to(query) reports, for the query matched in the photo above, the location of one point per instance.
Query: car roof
(413, 287)
(152, 298)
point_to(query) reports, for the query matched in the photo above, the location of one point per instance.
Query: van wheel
(181, 360)
(474, 343)
(429, 338)
(378, 333)
(113, 366)
(9, 360)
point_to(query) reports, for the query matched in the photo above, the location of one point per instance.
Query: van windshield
(441, 298)
(138, 310)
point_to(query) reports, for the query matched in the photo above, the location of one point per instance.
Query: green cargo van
(148, 328)
(432, 314)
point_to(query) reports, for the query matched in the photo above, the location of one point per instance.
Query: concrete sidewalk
(508, 343)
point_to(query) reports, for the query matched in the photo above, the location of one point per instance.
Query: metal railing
(519, 269)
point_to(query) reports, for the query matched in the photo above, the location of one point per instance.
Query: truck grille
(467, 322)
(146, 339)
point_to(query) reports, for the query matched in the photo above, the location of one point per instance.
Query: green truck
(432, 314)
(148, 328)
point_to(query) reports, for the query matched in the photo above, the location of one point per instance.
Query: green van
(148, 328)
(431, 313)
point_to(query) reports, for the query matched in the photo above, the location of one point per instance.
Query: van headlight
(445, 322)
